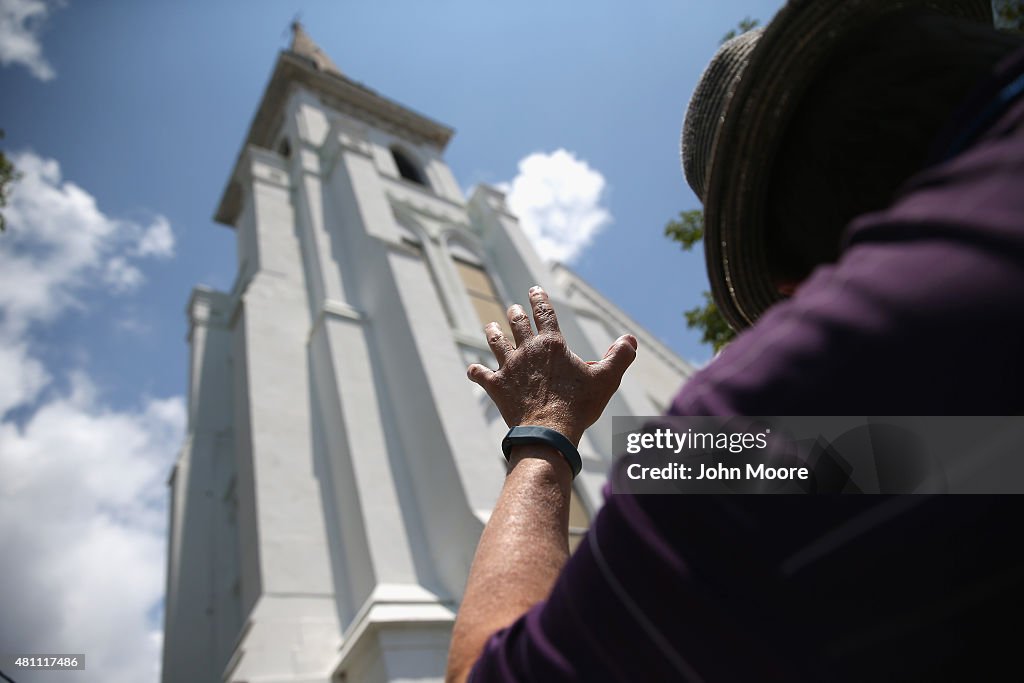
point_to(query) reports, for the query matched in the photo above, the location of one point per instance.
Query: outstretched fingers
(501, 347)
(543, 314)
(519, 322)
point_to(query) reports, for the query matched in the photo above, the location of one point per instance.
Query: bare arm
(541, 382)
(521, 552)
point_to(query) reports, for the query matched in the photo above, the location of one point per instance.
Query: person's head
(866, 125)
(797, 129)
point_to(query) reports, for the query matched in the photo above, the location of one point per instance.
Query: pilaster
(286, 566)
(202, 612)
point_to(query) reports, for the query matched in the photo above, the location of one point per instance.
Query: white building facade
(339, 467)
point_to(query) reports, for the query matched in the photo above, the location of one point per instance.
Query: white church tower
(339, 467)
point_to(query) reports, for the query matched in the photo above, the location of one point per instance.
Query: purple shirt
(922, 315)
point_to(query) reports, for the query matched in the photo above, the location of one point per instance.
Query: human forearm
(521, 552)
(539, 382)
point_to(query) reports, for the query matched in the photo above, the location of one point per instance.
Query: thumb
(479, 374)
(620, 355)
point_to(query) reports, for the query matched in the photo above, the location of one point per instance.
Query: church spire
(303, 46)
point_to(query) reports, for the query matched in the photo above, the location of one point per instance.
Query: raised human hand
(540, 381)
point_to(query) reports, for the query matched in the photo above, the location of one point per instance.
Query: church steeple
(322, 512)
(304, 67)
(304, 46)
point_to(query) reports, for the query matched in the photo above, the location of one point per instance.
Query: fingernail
(535, 289)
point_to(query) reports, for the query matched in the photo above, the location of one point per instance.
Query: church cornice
(336, 90)
(414, 200)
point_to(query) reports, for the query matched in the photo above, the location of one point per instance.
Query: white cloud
(557, 198)
(21, 376)
(157, 240)
(59, 244)
(82, 517)
(20, 24)
(82, 486)
(121, 275)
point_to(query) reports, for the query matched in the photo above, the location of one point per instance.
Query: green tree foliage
(688, 231)
(708, 319)
(745, 25)
(7, 176)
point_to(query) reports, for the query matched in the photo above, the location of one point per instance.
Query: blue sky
(127, 118)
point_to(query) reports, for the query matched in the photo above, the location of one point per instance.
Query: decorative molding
(403, 247)
(374, 117)
(207, 307)
(402, 606)
(342, 136)
(242, 177)
(461, 231)
(338, 310)
(418, 200)
(308, 160)
(263, 165)
(337, 92)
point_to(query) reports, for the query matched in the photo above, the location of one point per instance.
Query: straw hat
(736, 120)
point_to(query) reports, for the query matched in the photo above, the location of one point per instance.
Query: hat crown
(736, 121)
(706, 111)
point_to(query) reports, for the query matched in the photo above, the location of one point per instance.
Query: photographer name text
(679, 471)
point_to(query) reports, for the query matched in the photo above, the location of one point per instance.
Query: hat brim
(786, 61)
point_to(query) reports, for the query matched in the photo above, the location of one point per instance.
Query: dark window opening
(407, 169)
(284, 148)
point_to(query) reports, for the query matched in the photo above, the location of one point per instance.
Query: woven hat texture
(736, 120)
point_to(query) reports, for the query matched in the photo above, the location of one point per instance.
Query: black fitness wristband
(550, 437)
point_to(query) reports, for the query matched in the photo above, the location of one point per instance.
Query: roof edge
(337, 91)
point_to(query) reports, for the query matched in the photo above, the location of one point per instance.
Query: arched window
(407, 168)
